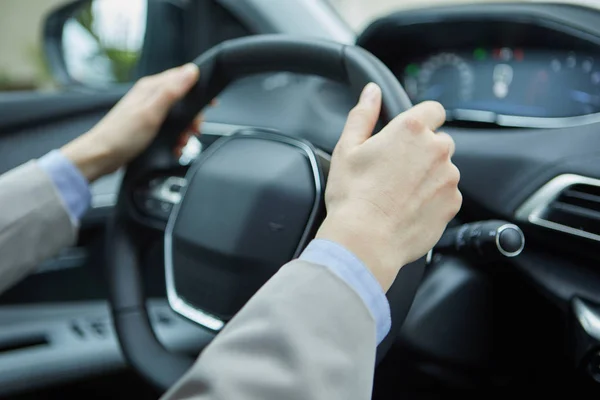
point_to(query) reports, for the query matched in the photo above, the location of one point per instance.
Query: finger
(427, 115)
(194, 128)
(178, 150)
(363, 117)
(199, 120)
(182, 142)
(196, 124)
(171, 74)
(172, 85)
(148, 85)
(447, 141)
(184, 138)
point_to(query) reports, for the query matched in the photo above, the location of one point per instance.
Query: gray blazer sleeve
(305, 335)
(34, 223)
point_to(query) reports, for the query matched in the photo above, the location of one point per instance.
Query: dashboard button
(165, 207)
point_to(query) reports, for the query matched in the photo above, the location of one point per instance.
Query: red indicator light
(519, 54)
(496, 53)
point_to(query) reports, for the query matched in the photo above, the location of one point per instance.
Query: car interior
(508, 300)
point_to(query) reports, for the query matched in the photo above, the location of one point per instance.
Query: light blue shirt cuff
(72, 186)
(351, 270)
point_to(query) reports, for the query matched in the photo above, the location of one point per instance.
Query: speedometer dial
(442, 77)
(512, 87)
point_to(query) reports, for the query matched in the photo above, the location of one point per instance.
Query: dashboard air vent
(568, 203)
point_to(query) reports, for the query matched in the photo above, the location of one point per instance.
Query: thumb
(173, 85)
(363, 117)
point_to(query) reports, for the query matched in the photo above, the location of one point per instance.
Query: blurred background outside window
(22, 64)
(112, 56)
(102, 40)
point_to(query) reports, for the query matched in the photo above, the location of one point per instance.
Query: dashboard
(486, 83)
(493, 65)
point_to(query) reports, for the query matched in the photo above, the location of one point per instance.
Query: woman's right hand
(390, 196)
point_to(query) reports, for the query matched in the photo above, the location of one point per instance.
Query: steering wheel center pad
(250, 206)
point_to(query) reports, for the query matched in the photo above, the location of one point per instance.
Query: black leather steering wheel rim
(219, 67)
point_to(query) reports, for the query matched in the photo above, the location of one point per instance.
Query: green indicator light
(412, 70)
(479, 54)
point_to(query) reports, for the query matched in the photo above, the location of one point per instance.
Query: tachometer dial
(567, 85)
(443, 77)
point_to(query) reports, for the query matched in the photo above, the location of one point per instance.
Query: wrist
(92, 159)
(369, 245)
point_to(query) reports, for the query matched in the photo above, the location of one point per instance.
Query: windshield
(360, 13)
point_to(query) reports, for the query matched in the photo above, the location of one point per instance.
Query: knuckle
(446, 138)
(441, 149)
(413, 124)
(454, 176)
(459, 198)
(456, 203)
(453, 205)
(435, 108)
(444, 146)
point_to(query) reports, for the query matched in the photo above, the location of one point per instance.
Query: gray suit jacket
(305, 335)
(34, 223)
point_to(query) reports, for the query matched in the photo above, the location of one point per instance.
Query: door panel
(31, 123)
(42, 345)
(56, 323)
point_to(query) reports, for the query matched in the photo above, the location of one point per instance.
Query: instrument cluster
(505, 85)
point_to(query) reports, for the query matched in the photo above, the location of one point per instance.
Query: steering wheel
(252, 202)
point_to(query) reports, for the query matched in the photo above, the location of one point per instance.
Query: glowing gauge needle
(503, 76)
